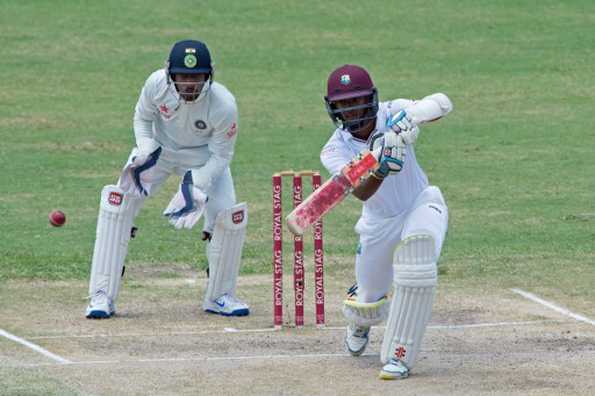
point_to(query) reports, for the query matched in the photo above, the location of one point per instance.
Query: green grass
(514, 160)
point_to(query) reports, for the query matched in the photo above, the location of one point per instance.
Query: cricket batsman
(185, 124)
(404, 219)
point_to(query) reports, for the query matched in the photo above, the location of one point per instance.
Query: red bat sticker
(331, 193)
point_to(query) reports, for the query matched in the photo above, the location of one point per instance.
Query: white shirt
(162, 119)
(397, 192)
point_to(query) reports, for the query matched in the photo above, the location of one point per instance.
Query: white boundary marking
(34, 347)
(273, 330)
(554, 307)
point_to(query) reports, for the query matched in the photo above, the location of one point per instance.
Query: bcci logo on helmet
(345, 79)
(190, 60)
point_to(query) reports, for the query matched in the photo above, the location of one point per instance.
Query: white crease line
(294, 331)
(179, 333)
(479, 325)
(203, 359)
(553, 306)
(495, 324)
(34, 347)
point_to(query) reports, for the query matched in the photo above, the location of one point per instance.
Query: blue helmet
(189, 57)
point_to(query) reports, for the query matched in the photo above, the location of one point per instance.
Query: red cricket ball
(57, 218)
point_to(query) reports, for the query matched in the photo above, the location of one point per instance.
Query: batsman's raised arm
(428, 109)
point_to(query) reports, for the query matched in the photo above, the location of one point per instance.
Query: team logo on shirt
(233, 129)
(165, 111)
(345, 79)
(200, 124)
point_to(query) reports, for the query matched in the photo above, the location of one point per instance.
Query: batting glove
(404, 126)
(391, 154)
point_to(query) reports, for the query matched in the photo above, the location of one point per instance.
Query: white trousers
(379, 237)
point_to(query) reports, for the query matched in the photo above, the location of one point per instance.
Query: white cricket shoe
(394, 369)
(227, 305)
(100, 307)
(356, 339)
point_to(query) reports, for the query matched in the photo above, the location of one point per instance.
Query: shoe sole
(98, 315)
(391, 376)
(240, 312)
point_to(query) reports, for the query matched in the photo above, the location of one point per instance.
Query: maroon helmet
(348, 82)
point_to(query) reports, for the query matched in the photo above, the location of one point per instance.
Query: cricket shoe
(100, 307)
(394, 369)
(227, 305)
(356, 339)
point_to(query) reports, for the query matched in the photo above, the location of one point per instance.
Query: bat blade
(331, 193)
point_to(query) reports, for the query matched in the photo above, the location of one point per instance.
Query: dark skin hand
(367, 188)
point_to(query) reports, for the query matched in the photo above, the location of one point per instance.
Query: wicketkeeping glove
(187, 205)
(404, 126)
(391, 154)
(134, 172)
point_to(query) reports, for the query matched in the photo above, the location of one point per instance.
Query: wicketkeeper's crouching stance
(403, 222)
(184, 124)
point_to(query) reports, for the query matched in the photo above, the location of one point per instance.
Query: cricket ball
(57, 218)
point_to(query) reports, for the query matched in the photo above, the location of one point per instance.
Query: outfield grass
(514, 160)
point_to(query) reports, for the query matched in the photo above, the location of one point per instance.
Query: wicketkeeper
(184, 124)
(404, 219)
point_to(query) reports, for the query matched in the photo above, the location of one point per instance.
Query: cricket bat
(333, 191)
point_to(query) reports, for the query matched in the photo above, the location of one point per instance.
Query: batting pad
(415, 277)
(365, 314)
(116, 213)
(224, 252)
